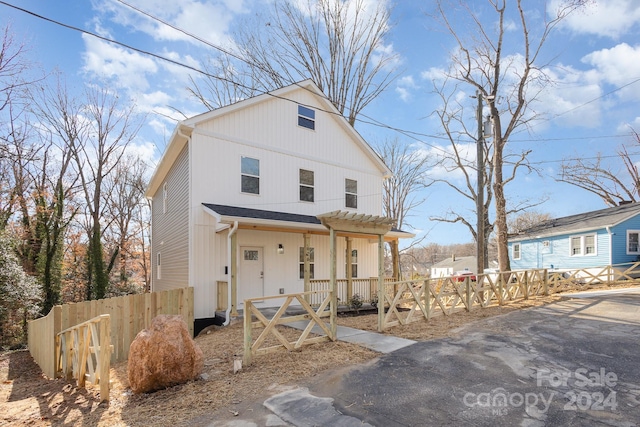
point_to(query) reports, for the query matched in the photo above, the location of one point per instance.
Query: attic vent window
(306, 117)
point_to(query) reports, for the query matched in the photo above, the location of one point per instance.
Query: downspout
(232, 231)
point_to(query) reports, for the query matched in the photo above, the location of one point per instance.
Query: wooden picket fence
(269, 326)
(128, 315)
(416, 300)
(84, 351)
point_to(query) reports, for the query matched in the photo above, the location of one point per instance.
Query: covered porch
(309, 258)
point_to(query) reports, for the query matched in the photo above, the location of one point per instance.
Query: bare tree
(401, 192)
(125, 199)
(510, 84)
(339, 44)
(111, 127)
(615, 183)
(526, 220)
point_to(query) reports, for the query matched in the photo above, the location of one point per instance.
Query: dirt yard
(28, 398)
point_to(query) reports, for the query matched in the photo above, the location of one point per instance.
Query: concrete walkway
(371, 340)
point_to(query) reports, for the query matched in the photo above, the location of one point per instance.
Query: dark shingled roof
(261, 214)
(584, 221)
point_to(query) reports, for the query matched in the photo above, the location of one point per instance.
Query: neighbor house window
(583, 245)
(250, 172)
(311, 263)
(306, 185)
(351, 193)
(633, 242)
(306, 117)
(354, 263)
(516, 251)
(164, 198)
(158, 270)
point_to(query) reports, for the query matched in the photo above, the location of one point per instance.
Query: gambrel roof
(583, 222)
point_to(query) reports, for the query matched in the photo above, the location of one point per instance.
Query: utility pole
(480, 231)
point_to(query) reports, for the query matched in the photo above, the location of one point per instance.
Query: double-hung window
(311, 263)
(306, 186)
(633, 242)
(516, 251)
(306, 117)
(583, 245)
(250, 175)
(351, 193)
(354, 262)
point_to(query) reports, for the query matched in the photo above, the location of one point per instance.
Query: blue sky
(595, 57)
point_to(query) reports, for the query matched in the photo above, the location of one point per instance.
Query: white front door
(250, 274)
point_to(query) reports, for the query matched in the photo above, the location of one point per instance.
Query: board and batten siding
(269, 132)
(535, 253)
(283, 270)
(170, 237)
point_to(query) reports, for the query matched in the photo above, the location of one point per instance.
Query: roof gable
(587, 221)
(186, 128)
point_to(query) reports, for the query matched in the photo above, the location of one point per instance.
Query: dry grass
(27, 398)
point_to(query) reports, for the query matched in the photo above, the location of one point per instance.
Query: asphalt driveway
(572, 363)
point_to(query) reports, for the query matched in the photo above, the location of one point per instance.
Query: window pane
(311, 256)
(307, 112)
(575, 246)
(251, 166)
(306, 177)
(516, 251)
(589, 245)
(250, 184)
(250, 255)
(306, 194)
(351, 186)
(311, 271)
(633, 242)
(306, 123)
(354, 270)
(351, 201)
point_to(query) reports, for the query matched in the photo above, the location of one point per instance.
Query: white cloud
(618, 67)
(209, 20)
(128, 69)
(605, 18)
(405, 87)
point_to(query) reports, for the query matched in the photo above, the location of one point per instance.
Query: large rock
(163, 355)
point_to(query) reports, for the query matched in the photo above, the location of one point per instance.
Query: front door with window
(250, 274)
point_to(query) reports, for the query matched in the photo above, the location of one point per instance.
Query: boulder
(163, 355)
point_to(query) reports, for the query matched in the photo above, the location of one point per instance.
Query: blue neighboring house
(592, 239)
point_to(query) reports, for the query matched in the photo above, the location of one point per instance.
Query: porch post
(234, 275)
(333, 283)
(381, 290)
(306, 255)
(348, 262)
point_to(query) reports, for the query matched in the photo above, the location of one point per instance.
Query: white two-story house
(238, 191)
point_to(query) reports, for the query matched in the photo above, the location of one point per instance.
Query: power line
(414, 135)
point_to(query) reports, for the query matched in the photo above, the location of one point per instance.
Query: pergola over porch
(359, 224)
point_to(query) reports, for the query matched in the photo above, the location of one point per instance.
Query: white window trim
(627, 242)
(305, 117)
(583, 246)
(346, 193)
(164, 198)
(513, 248)
(250, 175)
(313, 187)
(158, 264)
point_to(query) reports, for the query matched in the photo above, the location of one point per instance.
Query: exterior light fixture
(280, 249)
